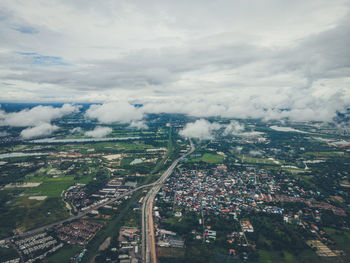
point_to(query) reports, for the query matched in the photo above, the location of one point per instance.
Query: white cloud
(35, 116)
(139, 124)
(203, 129)
(99, 132)
(42, 129)
(233, 128)
(200, 129)
(114, 112)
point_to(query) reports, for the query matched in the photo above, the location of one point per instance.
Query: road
(80, 214)
(149, 254)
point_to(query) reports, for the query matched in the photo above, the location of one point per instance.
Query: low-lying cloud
(37, 119)
(138, 125)
(205, 130)
(42, 129)
(99, 132)
(35, 116)
(200, 129)
(233, 128)
(114, 112)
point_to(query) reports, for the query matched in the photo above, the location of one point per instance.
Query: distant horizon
(232, 58)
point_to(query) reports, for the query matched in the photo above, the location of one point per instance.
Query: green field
(209, 158)
(323, 154)
(133, 146)
(294, 170)
(8, 254)
(64, 254)
(267, 256)
(341, 238)
(27, 214)
(212, 158)
(248, 159)
(51, 187)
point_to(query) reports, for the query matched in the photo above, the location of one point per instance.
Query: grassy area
(27, 214)
(33, 213)
(133, 146)
(64, 254)
(126, 161)
(340, 237)
(209, 158)
(323, 154)
(293, 170)
(84, 180)
(51, 187)
(248, 159)
(272, 256)
(170, 252)
(8, 254)
(212, 158)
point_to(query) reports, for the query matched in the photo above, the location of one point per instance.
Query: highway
(149, 254)
(80, 214)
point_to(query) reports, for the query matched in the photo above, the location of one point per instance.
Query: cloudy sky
(206, 58)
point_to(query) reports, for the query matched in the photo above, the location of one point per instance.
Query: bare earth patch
(23, 185)
(37, 197)
(105, 244)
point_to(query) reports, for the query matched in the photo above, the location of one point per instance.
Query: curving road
(148, 236)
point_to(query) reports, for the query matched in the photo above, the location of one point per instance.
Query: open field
(170, 252)
(324, 154)
(7, 254)
(64, 254)
(341, 239)
(212, 158)
(209, 158)
(266, 256)
(27, 214)
(255, 160)
(23, 185)
(52, 187)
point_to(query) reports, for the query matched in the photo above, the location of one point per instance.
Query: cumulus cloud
(200, 129)
(99, 132)
(233, 128)
(114, 112)
(139, 124)
(42, 129)
(203, 129)
(35, 116)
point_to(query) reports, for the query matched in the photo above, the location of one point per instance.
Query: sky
(267, 59)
